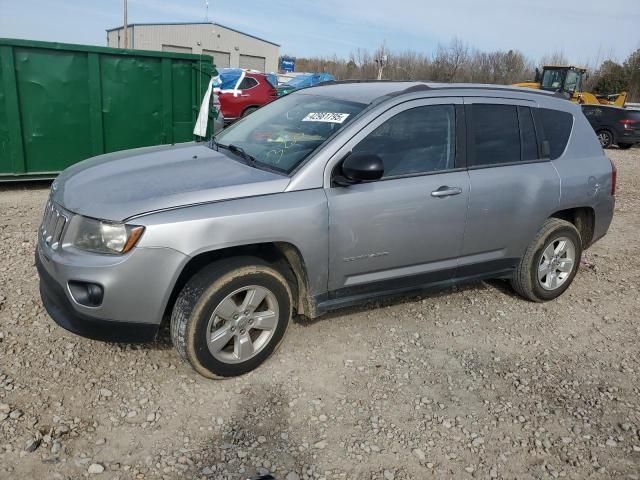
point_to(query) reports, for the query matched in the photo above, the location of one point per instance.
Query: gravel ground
(468, 383)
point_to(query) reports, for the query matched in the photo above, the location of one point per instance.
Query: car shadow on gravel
(162, 341)
(256, 439)
(430, 294)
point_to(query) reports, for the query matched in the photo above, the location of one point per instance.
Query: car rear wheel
(550, 262)
(231, 316)
(606, 138)
(249, 111)
(625, 146)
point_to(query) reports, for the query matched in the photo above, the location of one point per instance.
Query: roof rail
(342, 82)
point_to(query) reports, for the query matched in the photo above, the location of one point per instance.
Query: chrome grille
(54, 222)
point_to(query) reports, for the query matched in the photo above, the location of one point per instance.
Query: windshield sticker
(326, 117)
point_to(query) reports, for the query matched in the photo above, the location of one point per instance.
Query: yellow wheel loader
(568, 80)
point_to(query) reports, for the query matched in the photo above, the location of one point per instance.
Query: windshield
(571, 84)
(283, 133)
(552, 79)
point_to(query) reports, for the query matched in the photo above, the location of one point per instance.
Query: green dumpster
(61, 103)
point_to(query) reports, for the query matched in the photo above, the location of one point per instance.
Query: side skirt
(472, 273)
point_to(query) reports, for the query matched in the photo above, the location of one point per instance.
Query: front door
(406, 229)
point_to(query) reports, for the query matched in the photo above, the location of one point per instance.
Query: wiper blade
(240, 151)
(251, 160)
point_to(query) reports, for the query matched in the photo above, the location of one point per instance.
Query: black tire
(625, 146)
(525, 280)
(605, 137)
(249, 111)
(206, 290)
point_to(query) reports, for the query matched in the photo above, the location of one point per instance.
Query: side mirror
(537, 79)
(362, 167)
(545, 149)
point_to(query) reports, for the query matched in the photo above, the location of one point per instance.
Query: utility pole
(126, 26)
(382, 62)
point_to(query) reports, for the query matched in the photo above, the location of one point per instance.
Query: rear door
(512, 189)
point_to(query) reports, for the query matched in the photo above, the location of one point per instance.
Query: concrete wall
(198, 37)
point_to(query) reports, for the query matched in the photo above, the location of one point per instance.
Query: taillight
(273, 92)
(628, 122)
(614, 177)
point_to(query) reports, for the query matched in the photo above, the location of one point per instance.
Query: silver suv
(327, 197)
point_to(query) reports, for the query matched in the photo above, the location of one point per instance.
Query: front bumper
(61, 310)
(136, 286)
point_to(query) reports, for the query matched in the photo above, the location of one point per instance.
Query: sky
(586, 32)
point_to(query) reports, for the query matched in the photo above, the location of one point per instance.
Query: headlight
(103, 237)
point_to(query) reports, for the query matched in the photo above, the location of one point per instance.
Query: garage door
(176, 49)
(220, 59)
(252, 63)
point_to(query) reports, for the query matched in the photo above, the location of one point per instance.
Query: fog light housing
(87, 294)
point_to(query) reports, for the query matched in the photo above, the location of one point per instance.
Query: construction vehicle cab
(564, 79)
(569, 81)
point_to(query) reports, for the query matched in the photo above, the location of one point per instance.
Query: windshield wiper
(240, 151)
(251, 160)
(237, 150)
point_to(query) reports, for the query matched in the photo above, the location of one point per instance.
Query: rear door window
(494, 134)
(557, 127)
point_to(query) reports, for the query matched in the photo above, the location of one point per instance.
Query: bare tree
(453, 62)
(449, 60)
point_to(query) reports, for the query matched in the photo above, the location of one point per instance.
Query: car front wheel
(550, 262)
(231, 316)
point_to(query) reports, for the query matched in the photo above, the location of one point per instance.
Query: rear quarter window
(557, 127)
(248, 83)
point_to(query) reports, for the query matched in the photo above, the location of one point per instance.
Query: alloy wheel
(605, 139)
(242, 324)
(556, 263)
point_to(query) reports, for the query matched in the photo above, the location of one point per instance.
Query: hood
(120, 185)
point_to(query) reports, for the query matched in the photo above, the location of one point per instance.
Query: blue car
(304, 80)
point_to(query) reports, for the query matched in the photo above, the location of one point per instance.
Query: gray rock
(105, 392)
(419, 454)
(95, 468)
(321, 445)
(32, 444)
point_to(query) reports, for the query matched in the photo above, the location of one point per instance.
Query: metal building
(228, 47)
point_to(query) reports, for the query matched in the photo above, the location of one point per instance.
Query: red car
(242, 92)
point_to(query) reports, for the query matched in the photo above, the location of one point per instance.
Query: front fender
(299, 218)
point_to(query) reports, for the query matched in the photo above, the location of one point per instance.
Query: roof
(368, 91)
(577, 67)
(193, 23)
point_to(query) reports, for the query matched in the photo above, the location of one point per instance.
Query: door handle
(245, 95)
(446, 191)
